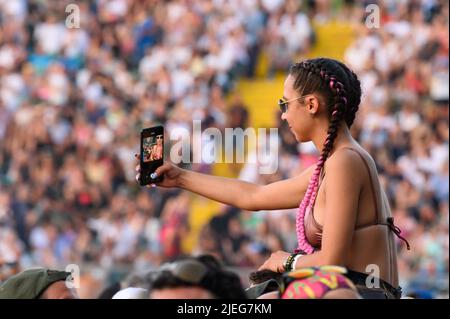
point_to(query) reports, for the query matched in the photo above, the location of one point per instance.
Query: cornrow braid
(354, 96)
(317, 74)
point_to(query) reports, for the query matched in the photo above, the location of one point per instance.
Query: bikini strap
(397, 231)
(372, 189)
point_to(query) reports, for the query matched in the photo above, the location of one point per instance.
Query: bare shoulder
(346, 158)
(347, 163)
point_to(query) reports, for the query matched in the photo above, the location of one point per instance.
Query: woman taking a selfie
(343, 215)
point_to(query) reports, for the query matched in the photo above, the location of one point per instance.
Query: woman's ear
(312, 104)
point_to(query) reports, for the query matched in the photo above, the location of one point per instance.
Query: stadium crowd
(72, 103)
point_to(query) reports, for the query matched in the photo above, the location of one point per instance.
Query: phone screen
(152, 153)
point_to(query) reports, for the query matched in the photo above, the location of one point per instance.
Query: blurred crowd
(73, 101)
(403, 123)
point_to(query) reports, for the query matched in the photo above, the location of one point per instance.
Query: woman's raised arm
(244, 195)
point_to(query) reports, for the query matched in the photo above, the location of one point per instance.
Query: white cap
(131, 293)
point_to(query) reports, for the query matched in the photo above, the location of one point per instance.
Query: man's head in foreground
(196, 278)
(38, 283)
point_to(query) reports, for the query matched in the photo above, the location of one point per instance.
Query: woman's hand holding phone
(170, 172)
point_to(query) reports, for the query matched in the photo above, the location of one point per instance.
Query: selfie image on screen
(153, 148)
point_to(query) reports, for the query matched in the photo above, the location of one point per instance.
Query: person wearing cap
(38, 283)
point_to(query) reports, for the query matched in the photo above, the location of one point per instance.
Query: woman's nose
(283, 116)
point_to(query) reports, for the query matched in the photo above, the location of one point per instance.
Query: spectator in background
(38, 283)
(198, 278)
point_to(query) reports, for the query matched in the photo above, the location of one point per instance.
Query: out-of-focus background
(73, 101)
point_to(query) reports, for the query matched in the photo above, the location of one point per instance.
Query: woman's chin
(297, 137)
(300, 139)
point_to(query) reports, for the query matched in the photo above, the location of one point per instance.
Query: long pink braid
(307, 203)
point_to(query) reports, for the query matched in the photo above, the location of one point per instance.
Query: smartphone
(152, 154)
